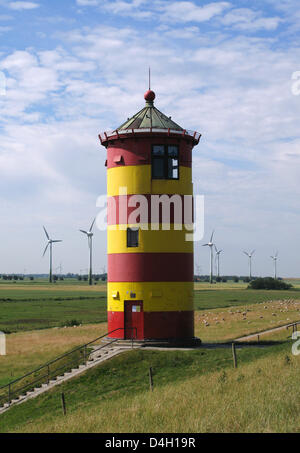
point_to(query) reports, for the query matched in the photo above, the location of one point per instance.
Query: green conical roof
(149, 117)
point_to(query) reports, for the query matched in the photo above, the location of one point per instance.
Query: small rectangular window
(158, 168)
(132, 237)
(165, 162)
(158, 150)
(173, 151)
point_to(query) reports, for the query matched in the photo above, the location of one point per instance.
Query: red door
(134, 319)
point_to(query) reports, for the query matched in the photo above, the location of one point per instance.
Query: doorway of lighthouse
(133, 319)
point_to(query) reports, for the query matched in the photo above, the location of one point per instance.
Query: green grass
(123, 382)
(41, 314)
(127, 375)
(29, 305)
(215, 298)
(29, 350)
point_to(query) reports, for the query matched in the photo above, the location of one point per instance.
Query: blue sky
(76, 68)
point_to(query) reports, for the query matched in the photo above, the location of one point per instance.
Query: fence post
(9, 394)
(63, 402)
(48, 374)
(84, 354)
(151, 379)
(234, 356)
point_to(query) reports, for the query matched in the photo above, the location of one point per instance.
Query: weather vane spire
(149, 78)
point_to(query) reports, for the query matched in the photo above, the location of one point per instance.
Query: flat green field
(206, 299)
(36, 305)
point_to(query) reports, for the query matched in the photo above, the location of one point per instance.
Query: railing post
(234, 356)
(9, 394)
(48, 374)
(84, 354)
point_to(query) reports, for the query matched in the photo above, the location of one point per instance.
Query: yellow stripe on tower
(137, 179)
(156, 296)
(150, 241)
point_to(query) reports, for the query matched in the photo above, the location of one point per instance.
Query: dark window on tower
(165, 162)
(132, 237)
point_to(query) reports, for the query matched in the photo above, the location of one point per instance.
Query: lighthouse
(150, 253)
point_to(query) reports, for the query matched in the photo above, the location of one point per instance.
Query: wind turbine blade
(276, 255)
(82, 231)
(252, 252)
(216, 248)
(246, 253)
(204, 245)
(45, 249)
(92, 224)
(47, 235)
(57, 240)
(212, 235)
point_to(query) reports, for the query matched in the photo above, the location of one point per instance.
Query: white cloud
(185, 11)
(236, 91)
(20, 6)
(87, 2)
(4, 29)
(247, 19)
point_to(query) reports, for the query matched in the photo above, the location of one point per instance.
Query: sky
(75, 68)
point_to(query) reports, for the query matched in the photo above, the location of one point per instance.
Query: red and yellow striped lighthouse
(150, 260)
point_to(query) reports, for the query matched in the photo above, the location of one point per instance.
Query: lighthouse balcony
(114, 135)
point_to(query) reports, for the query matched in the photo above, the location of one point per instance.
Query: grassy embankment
(194, 391)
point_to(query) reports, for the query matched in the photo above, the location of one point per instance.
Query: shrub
(71, 323)
(269, 283)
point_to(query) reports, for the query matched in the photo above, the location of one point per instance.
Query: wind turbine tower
(50, 242)
(250, 262)
(210, 244)
(90, 235)
(218, 253)
(275, 258)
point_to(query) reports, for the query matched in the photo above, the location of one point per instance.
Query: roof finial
(149, 95)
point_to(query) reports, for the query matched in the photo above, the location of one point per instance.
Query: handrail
(105, 136)
(67, 354)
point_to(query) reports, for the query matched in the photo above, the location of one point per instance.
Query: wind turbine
(50, 242)
(59, 268)
(250, 264)
(210, 244)
(275, 258)
(218, 253)
(90, 235)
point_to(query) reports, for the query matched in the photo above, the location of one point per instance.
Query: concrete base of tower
(159, 343)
